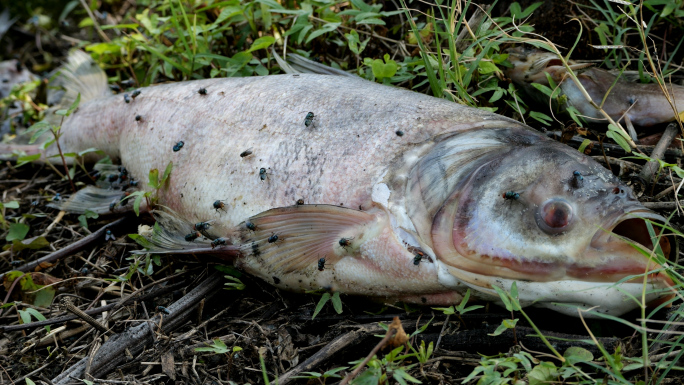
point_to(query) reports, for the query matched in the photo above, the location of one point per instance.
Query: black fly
(321, 264)
(511, 195)
(309, 119)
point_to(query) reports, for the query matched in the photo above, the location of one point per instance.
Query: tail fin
(296, 64)
(79, 75)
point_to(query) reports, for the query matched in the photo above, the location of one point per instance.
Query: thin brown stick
(66, 302)
(648, 172)
(390, 332)
(68, 250)
(344, 341)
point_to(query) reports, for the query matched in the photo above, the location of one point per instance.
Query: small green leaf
(142, 241)
(153, 178)
(337, 302)
(487, 67)
(505, 324)
(384, 70)
(10, 205)
(261, 43)
(543, 373)
(575, 354)
(446, 310)
(22, 160)
(167, 173)
(324, 298)
(33, 243)
(17, 231)
(38, 130)
(583, 146)
(620, 140)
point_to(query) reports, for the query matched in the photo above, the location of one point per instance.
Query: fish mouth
(630, 225)
(620, 238)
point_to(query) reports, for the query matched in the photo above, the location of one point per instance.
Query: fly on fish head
(562, 241)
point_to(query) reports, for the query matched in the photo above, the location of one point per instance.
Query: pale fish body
(402, 192)
(643, 104)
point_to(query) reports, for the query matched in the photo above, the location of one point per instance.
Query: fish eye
(554, 216)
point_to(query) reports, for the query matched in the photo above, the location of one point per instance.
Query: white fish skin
(385, 174)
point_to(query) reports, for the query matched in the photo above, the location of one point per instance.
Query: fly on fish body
(178, 146)
(511, 195)
(202, 91)
(192, 236)
(219, 205)
(202, 226)
(138, 118)
(308, 121)
(273, 238)
(345, 242)
(417, 259)
(250, 226)
(577, 179)
(321, 264)
(127, 98)
(135, 94)
(262, 173)
(300, 202)
(246, 153)
(218, 242)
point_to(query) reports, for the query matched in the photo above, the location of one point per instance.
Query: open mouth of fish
(629, 229)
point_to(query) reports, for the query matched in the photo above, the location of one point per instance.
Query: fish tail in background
(297, 64)
(79, 75)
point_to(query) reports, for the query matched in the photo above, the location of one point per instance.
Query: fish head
(554, 220)
(532, 65)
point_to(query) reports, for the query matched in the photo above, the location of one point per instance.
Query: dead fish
(642, 104)
(375, 200)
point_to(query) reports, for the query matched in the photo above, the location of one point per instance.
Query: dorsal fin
(297, 64)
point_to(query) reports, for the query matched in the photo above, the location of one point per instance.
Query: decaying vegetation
(154, 319)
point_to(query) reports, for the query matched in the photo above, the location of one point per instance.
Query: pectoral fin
(295, 238)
